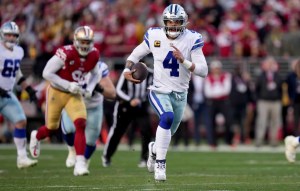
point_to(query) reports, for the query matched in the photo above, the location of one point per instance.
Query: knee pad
(80, 123)
(166, 120)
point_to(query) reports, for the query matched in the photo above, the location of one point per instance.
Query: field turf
(186, 170)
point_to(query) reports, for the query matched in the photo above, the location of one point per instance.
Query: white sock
(162, 142)
(71, 149)
(80, 158)
(21, 146)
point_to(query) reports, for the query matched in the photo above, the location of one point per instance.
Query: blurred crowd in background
(231, 28)
(235, 29)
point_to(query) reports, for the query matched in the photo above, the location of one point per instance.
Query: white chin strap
(9, 44)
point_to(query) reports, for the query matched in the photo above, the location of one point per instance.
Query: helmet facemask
(83, 40)
(9, 34)
(176, 14)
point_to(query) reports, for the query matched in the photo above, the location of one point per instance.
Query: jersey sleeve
(61, 53)
(104, 69)
(141, 50)
(49, 73)
(198, 41)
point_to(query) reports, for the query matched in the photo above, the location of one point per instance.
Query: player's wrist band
(187, 64)
(22, 79)
(126, 70)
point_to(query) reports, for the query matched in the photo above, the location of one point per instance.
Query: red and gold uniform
(74, 70)
(66, 72)
(63, 69)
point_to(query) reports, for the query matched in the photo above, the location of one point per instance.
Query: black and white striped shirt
(127, 90)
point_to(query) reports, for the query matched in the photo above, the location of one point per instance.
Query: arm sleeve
(49, 73)
(199, 60)
(139, 52)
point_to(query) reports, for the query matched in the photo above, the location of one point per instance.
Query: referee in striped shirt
(131, 105)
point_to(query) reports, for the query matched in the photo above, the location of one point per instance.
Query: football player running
(66, 72)
(10, 73)
(177, 53)
(94, 106)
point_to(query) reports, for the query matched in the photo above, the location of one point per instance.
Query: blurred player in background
(66, 72)
(292, 142)
(10, 59)
(131, 107)
(177, 53)
(94, 107)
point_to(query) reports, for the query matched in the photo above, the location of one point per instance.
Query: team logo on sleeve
(60, 53)
(157, 43)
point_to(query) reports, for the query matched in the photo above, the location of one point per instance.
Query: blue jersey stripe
(198, 46)
(105, 73)
(198, 41)
(146, 39)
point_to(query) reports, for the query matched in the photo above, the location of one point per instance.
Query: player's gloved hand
(4, 94)
(86, 94)
(32, 94)
(98, 88)
(74, 88)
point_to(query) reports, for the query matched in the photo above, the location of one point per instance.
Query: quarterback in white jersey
(105, 88)
(10, 59)
(177, 52)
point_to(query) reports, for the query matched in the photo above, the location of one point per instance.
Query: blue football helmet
(176, 13)
(10, 28)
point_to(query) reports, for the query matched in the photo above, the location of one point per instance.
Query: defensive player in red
(66, 72)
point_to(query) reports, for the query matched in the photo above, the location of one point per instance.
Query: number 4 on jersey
(170, 62)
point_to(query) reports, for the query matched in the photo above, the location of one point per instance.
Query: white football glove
(74, 88)
(86, 94)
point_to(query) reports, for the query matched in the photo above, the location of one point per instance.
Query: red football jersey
(76, 67)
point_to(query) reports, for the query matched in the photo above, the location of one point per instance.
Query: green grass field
(201, 170)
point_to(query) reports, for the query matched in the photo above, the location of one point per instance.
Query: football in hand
(141, 71)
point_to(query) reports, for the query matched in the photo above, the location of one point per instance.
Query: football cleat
(291, 145)
(34, 145)
(25, 162)
(105, 161)
(80, 168)
(151, 158)
(71, 159)
(142, 164)
(88, 162)
(160, 170)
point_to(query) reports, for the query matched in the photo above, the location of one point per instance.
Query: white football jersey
(97, 99)
(169, 74)
(10, 66)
